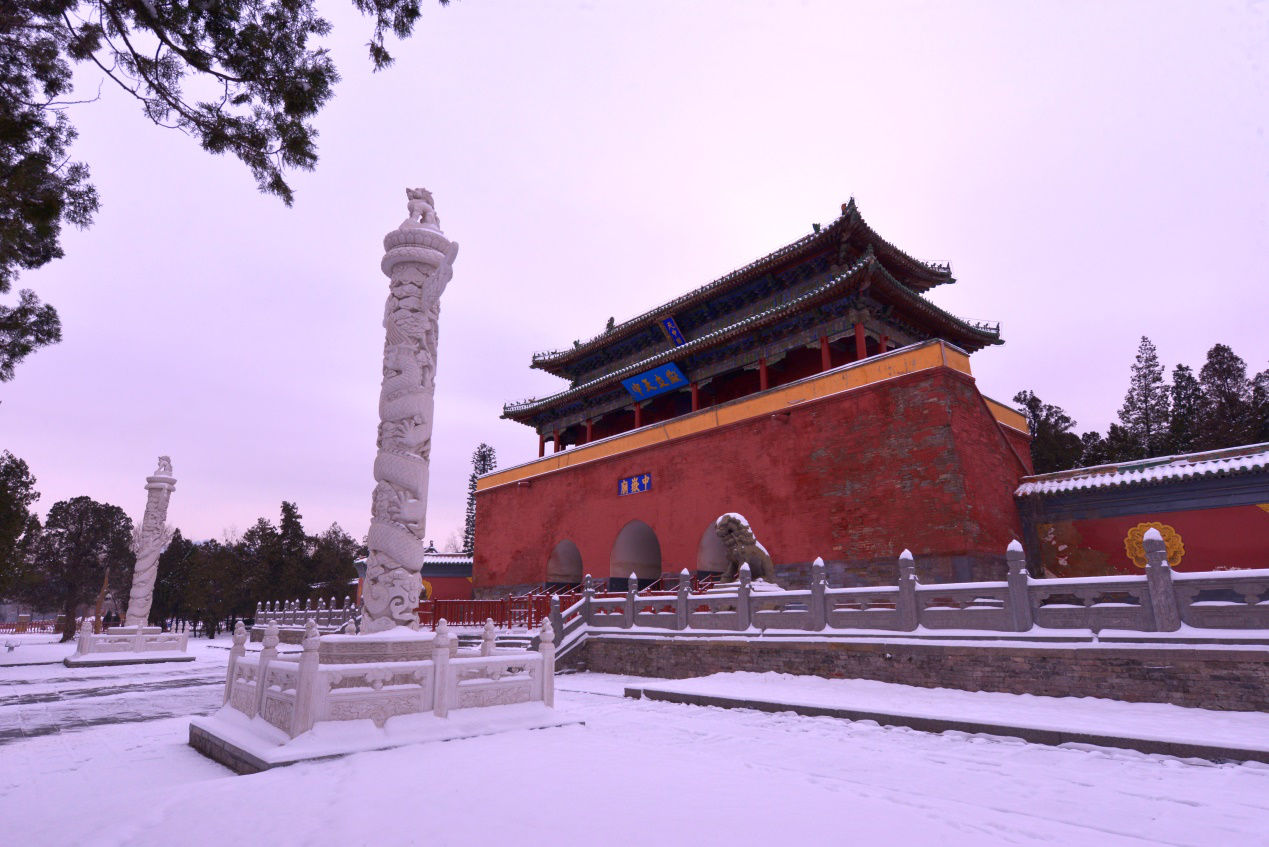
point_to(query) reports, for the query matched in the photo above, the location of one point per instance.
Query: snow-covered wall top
(1234, 460)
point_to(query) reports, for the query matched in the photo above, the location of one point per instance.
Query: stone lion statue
(742, 547)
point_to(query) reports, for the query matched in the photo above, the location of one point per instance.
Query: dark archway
(637, 551)
(564, 567)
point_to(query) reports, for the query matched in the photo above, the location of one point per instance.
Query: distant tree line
(1221, 407)
(64, 562)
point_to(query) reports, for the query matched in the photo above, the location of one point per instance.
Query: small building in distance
(817, 391)
(446, 576)
(1212, 509)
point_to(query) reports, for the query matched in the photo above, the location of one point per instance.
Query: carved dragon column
(418, 260)
(149, 541)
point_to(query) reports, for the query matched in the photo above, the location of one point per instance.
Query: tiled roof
(1234, 460)
(850, 213)
(707, 340)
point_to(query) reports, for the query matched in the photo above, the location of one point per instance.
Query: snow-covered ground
(1091, 715)
(98, 757)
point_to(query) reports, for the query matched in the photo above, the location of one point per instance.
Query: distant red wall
(1213, 539)
(447, 588)
(916, 461)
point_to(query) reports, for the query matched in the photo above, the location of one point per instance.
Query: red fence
(507, 613)
(17, 628)
(528, 611)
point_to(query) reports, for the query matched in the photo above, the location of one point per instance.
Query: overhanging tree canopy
(243, 77)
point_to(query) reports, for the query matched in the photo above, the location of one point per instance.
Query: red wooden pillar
(638, 416)
(861, 343)
(590, 430)
(557, 442)
(696, 397)
(541, 445)
(885, 342)
(762, 373)
(826, 355)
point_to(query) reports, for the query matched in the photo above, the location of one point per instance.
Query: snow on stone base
(94, 660)
(249, 745)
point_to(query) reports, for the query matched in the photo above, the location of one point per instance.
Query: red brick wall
(916, 462)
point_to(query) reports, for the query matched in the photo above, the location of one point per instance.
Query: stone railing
(294, 691)
(1157, 601)
(291, 616)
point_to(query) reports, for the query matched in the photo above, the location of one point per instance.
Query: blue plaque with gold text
(672, 329)
(634, 484)
(659, 380)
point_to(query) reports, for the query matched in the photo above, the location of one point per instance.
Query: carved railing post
(267, 655)
(440, 667)
(1163, 605)
(1019, 588)
(546, 646)
(632, 592)
(909, 610)
(819, 598)
(743, 612)
(488, 638)
(681, 600)
(557, 616)
(588, 597)
(235, 653)
(306, 681)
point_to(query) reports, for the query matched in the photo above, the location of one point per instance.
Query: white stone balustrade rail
(292, 692)
(1158, 601)
(292, 614)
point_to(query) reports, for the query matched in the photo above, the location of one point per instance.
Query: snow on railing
(1153, 602)
(291, 614)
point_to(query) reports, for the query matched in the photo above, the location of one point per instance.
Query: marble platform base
(250, 745)
(128, 645)
(352, 693)
(96, 660)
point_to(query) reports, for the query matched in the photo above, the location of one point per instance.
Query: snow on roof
(1233, 460)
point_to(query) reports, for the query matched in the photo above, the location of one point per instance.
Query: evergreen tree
(17, 495)
(483, 461)
(220, 584)
(1260, 406)
(294, 563)
(1094, 449)
(176, 569)
(244, 77)
(334, 552)
(1187, 411)
(1054, 447)
(80, 542)
(1121, 445)
(1146, 410)
(259, 552)
(1227, 418)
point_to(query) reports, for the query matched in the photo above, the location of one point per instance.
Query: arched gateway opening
(637, 551)
(565, 565)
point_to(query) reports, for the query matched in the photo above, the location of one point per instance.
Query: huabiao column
(149, 542)
(419, 261)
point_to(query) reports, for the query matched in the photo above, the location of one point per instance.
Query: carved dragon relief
(419, 262)
(149, 540)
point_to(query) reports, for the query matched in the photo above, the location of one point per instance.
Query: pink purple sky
(1093, 171)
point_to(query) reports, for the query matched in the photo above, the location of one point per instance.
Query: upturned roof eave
(521, 412)
(556, 362)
